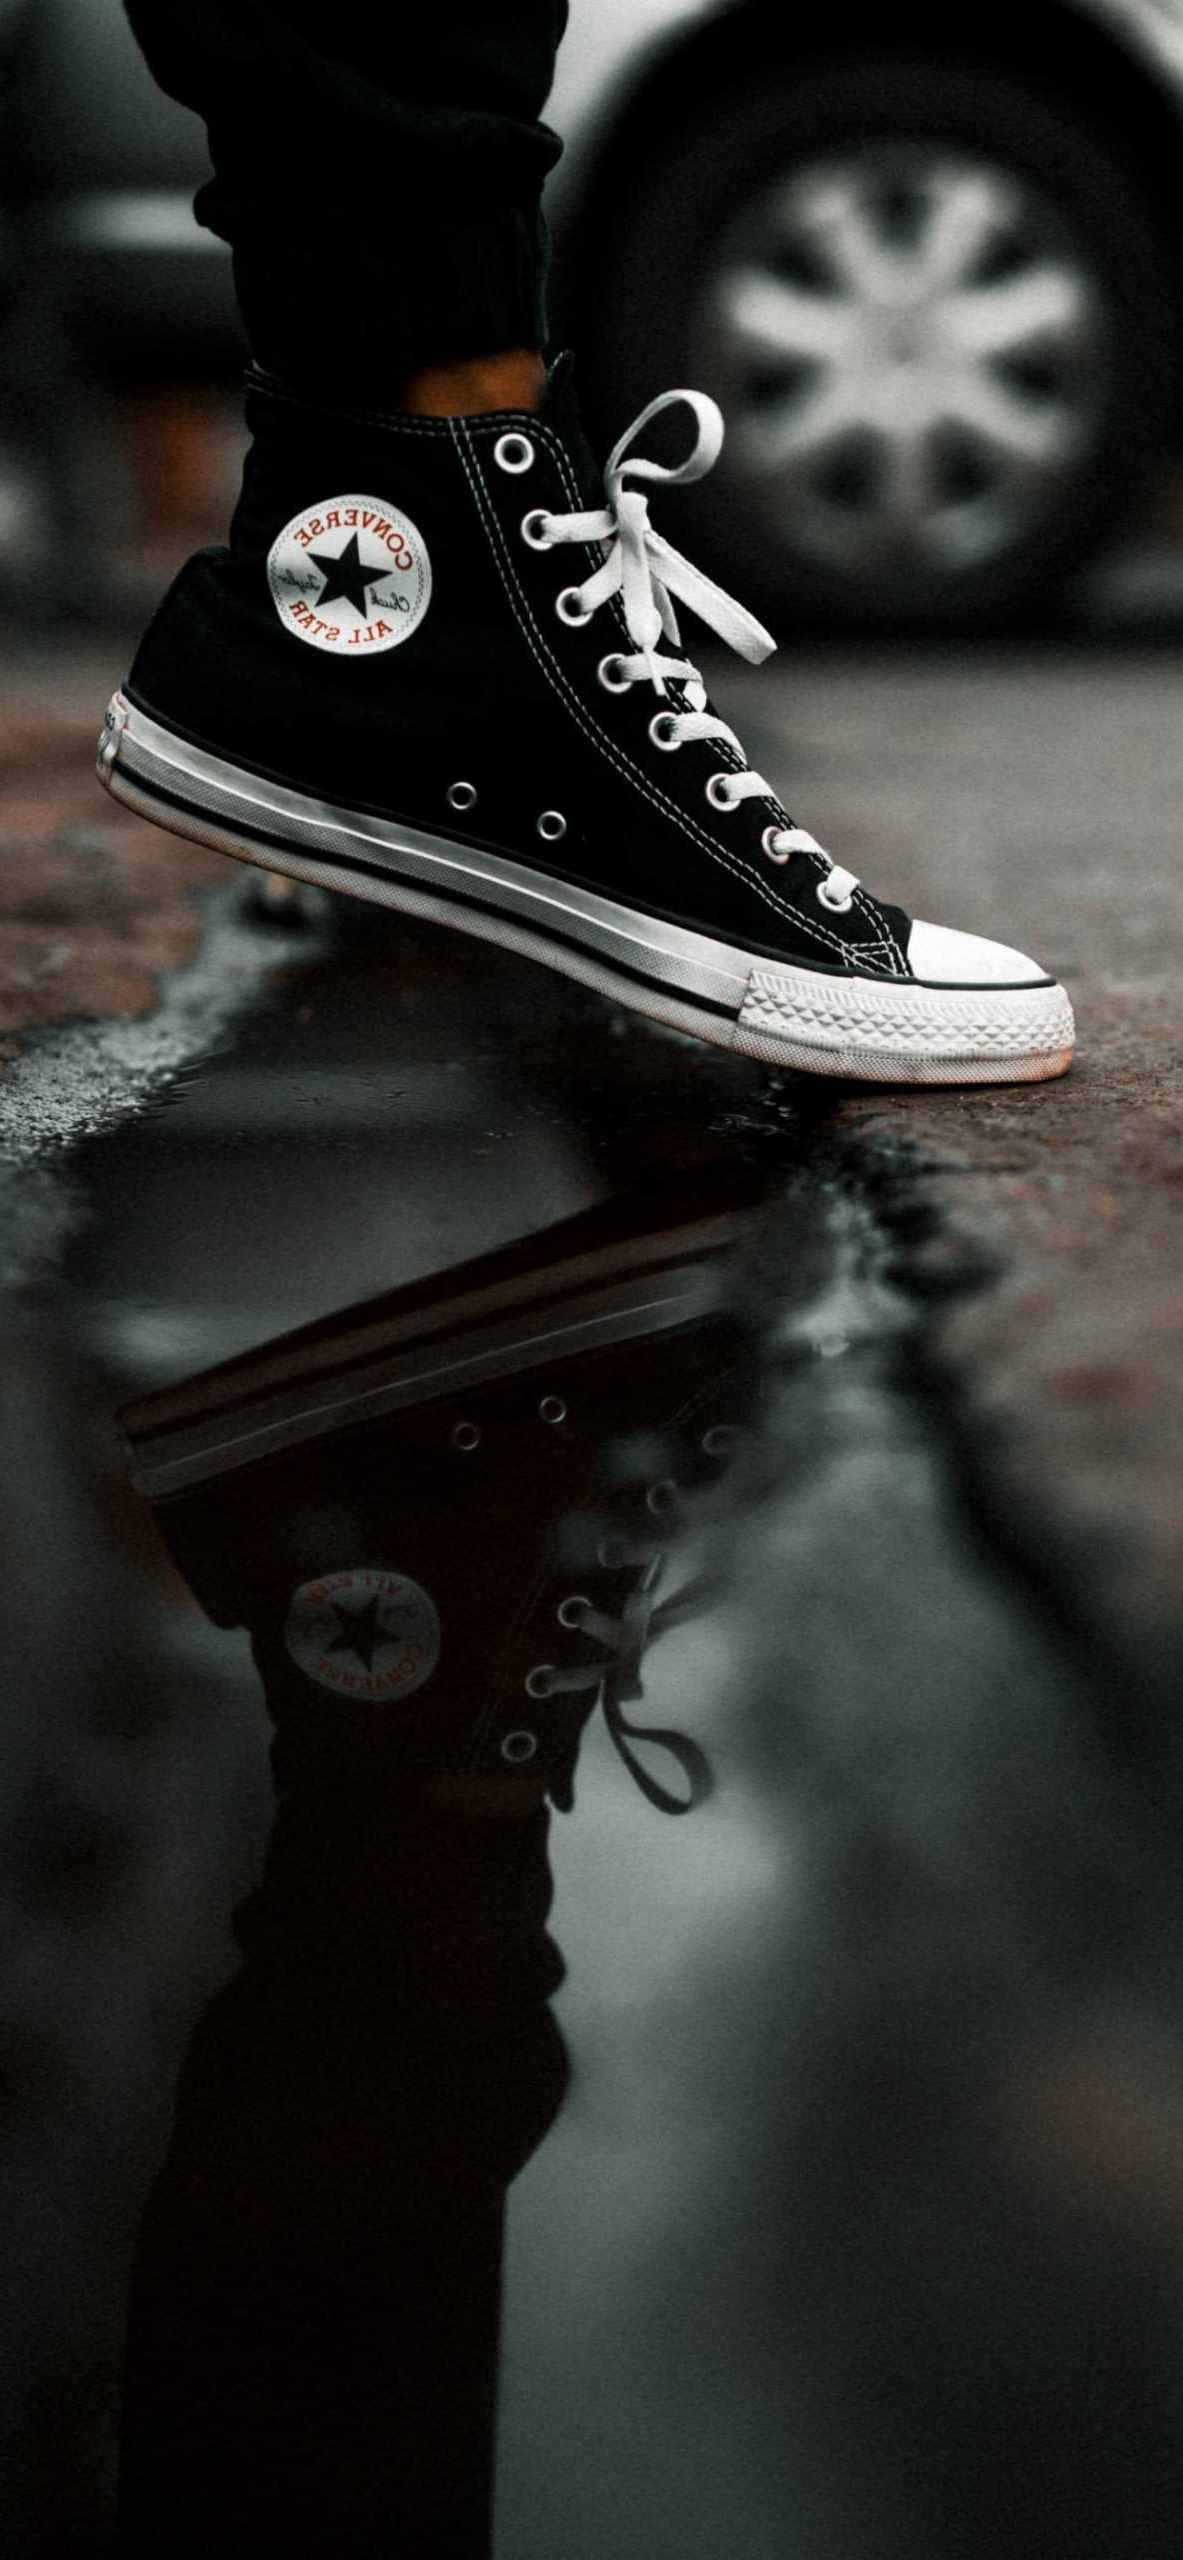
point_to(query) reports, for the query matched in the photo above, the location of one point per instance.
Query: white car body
(610, 45)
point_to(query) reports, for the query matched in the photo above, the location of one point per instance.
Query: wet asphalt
(866, 2161)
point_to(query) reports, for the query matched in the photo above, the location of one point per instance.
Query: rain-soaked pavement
(795, 2172)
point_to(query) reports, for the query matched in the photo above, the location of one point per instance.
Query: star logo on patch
(348, 576)
(351, 576)
(359, 1631)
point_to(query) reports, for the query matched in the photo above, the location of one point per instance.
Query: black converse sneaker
(443, 1514)
(439, 668)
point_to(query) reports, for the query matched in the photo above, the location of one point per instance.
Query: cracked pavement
(1038, 794)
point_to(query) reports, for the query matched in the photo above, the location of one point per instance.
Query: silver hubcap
(911, 352)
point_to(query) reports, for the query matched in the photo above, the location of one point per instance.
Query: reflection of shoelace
(646, 572)
(626, 1639)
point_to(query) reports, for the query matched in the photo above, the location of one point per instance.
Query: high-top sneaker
(442, 1515)
(439, 667)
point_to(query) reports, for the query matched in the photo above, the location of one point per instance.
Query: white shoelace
(646, 572)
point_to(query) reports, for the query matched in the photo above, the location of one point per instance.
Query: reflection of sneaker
(441, 1515)
(435, 669)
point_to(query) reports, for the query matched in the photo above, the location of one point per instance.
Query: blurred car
(97, 175)
(928, 260)
(929, 263)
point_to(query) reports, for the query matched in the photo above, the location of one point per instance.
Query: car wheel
(938, 315)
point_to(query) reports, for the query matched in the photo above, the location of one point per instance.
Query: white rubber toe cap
(941, 958)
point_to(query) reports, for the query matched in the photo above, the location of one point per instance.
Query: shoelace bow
(646, 572)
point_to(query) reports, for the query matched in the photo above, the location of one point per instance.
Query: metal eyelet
(514, 452)
(519, 1746)
(837, 906)
(771, 847)
(551, 825)
(466, 1435)
(552, 1409)
(533, 533)
(719, 792)
(662, 1496)
(462, 795)
(663, 730)
(721, 1439)
(565, 1608)
(611, 683)
(570, 610)
(613, 1554)
(537, 1682)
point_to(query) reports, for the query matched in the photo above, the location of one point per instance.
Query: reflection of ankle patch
(366, 1632)
(351, 575)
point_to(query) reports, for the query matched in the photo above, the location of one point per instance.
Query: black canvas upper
(497, 1533)
(493, 1497)
(491, 688)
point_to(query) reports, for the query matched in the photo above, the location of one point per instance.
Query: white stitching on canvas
(881, 938)
(489, 423)
(606, 745)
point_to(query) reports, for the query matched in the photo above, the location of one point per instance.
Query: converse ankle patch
(365, 1632)
(351, 575)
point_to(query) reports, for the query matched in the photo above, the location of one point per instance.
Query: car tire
(1095, 400)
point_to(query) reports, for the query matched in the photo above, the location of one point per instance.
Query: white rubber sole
(889, 1031)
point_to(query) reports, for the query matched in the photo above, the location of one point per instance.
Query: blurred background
(932, 272)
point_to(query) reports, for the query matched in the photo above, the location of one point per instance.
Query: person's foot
(437, 670)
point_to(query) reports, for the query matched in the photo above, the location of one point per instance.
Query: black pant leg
(377, 173)
(312, 2338)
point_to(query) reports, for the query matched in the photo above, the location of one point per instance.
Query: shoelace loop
(618, 1680)
(646, 572)
(640, 566)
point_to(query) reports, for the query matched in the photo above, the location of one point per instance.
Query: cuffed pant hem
(350, 313)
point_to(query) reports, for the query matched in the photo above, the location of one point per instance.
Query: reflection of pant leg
(313, 2333)
(378, 175)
